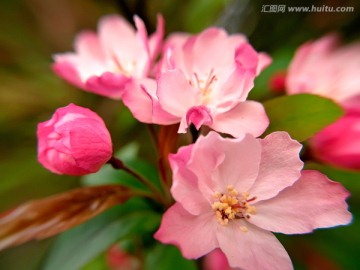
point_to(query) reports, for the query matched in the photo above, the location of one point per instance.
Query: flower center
(204, 85)
(232, 205)
(126, 69)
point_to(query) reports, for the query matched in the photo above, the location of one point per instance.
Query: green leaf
(167, 257)
(99, 263)
(301, 115)
(74, 248)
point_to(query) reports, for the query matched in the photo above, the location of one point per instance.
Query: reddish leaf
(43, 218)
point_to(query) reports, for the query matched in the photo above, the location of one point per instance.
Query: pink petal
(303, 70)
(155, 40)
(240, 167)
(198, 115)
(137, 97)
(201, 52)
(219, 162)
(172, 52)
(312, 202)
(280, 165)
(107, 84)
(205, 158)
(184, 188)
(216, 260)
(193, 235)
(67, 71)
(255, 249)
(231, 89)
(264, 61)
(247, 57)
(117, 36)
(125, 46)
(246, 117)
(88, 60)
(175, 94)
(88, 47)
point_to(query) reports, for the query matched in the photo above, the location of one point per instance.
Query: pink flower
(75, 141)
(103, 63)
(230, 193)
(339, 143)
(322, 67)
(203, 79)
(216, 260)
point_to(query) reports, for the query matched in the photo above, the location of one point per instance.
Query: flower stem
(119, 165)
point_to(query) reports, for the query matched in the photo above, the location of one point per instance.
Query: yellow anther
(243, 229)
(217, 194)
(230, 206)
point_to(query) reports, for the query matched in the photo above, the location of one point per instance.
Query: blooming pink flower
(75, 141)
(339, 143)
(230, 193)
(203, 79)
(323, 68)
(103, 63)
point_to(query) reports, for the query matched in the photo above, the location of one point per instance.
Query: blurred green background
(33, 30)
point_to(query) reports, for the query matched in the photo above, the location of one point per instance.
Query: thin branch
(119, 165)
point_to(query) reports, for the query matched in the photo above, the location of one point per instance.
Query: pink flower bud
(339, 143)
(75, 141)
(118, 259)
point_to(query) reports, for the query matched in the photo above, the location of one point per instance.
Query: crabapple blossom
(323, 68)
(203, 79)
(104, 62)
(75, 141)
(231, 193)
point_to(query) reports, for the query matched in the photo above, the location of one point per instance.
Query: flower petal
(246, 117)
(312, 202)
(198, 115)
(193, 235)
(184, 188)
(219, 162)
(155, 40)
(107, 84)
(231, 89)
(201, 52)
(137, 97)
(65, 68)
(205, 158)
(175, 94)
(254, 249)
(280, 165)
(264, 61)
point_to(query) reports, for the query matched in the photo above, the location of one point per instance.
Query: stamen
(127, 71)
(243, 229)
(204, 86)
(230, 206)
